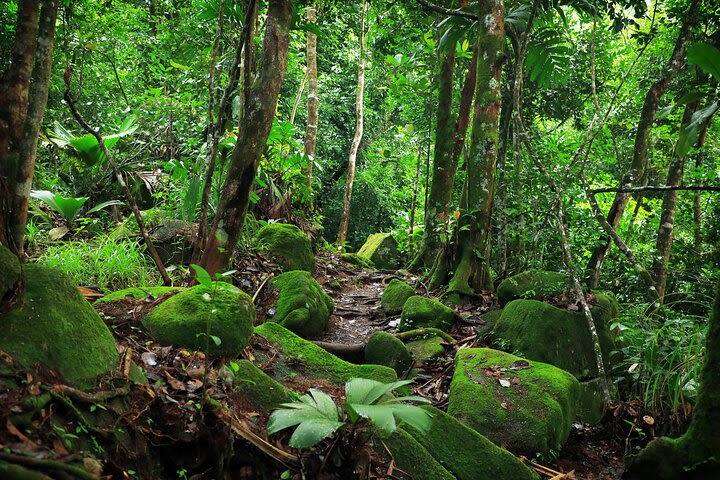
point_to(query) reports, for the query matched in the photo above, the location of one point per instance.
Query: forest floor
(165, 418)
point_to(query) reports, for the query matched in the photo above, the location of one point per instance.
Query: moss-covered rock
(489, 319)
(386, 349)
(467, 454)
(426, 350)
(411, 457)
(420, 312)
(591, 404)
(136, 293)
(222, 310)
(537, 284)
(55, 326)
(395, 295)
(302, 305)
(357, 260)
(382, 250)
(296, 353)
(259, 389)
(526, 407)
(173, 240)
(10, 268)
(542, 332)
(289, 245)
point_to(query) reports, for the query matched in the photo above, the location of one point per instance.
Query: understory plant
(316, 416)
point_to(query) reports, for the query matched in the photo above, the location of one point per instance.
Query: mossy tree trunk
(697, 453)
(251, 139)
(24, 91)
(359, 126)
(469, 267)
(312, 96)
(639, 163)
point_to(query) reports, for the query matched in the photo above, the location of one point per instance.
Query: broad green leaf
(201, 275)
(705, 56)
(102, 205)
(417, 417)
(311, 432)
(380, 415)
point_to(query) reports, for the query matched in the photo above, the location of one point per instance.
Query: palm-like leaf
(86, 146)
(315, 415)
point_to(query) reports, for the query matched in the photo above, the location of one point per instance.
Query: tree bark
(471, 263)
(638, 166)
(359, 115)
(251, 139)
(312, 98)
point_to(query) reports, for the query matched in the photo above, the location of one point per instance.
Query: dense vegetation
(539, 177)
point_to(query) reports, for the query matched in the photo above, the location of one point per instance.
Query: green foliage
(106, 263)
(68, 207)
(86, 146)
(317, 416)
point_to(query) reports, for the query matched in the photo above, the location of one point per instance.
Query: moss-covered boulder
(297, 354)
(220, 310)
(425, 344)
(259, 389)
(174, 240)
(357, 260)
(287, 244)
(525, 407)
(10, 268)
(137, 293)
(467, 454)
(591, 403)
(422, 312)
(302, 305)
(55, 326)
(536, 284)
(487, 323)
(542, 332)
(395, 295)
(382, 250)
(411, 457)
(386, 349)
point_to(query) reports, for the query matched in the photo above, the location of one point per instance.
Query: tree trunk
(345, 218)
(697, 453)
(251, 139)
(639, 165)
(471, 263)
(312, 98)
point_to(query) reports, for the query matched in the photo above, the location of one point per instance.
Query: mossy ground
(137, 293)
(411, 457)
(220, 310)
(302, 305)
(421, 312)
(57, 327)
(467, 454)
(259, 389)
(386, 349)
(314, 362)
(10, 268)
(545, 333)
(425, 350)
(382, 250)
(530, 412)
(357, 260)
(290, 245)
(395, 295)
(537, 284)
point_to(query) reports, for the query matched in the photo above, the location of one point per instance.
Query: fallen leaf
(504, 382)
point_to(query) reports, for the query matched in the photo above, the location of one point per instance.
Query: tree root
(44, 464)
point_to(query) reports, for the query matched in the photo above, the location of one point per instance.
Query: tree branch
(656, 188)
(447, 11)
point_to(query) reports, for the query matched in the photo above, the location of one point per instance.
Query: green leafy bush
(317, 416)
(108, 264)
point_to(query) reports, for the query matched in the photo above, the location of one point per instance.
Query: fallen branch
(86, 397)
(657, 188)
(257, 292)
(44, 464)
(548, 472)
(353, 352)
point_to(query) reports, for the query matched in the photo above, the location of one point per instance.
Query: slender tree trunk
(312, 98)
(251, 139)
(697, 210)
(471, 265)
(296, 103)
(359, 115)
(639, 165)
(413, 205)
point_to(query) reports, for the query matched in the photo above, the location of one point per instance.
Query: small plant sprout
(317, 416)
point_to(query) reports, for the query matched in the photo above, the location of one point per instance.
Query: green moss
(137, 293)
(385, 349)
(537, 284)
(259, 389)
(382, 250)
(533, 413)
(288, 244)
(557, 336)
(421, 312)
(57, 327)
(223, 310)
(426, 350)
(357, 260)
(10, 268)
(314, 361)
(467, 454)
(302, 305)
(395, 295)
(411, 457)
(489, 318)
(591, 404)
